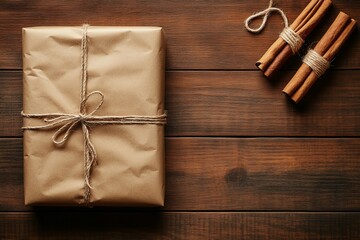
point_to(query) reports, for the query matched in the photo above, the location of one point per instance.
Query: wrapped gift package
(93, 107)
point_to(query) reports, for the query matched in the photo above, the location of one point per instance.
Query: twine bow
(66, 122)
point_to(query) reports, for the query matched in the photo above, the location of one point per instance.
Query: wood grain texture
(221, 176)
(233, 103)
(153, 225)
(10, 103)
(201, 34)
(236, 174)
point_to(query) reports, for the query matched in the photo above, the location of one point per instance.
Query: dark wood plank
(123, 225)
(201, 35)
(10, 103)
(239, 103)
(236, 174)
(246, 104)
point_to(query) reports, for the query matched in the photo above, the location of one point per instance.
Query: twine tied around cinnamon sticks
(292, 37)
(317, 60)
(66, 122)
(288, 34)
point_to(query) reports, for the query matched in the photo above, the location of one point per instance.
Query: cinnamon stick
(309, 15)
(279, 44)
(280, 51)
(329, 56)
(303, 32)
(321, 47)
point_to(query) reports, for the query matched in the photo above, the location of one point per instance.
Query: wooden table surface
(242, 161)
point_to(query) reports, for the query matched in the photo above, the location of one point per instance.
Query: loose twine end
(289, 35)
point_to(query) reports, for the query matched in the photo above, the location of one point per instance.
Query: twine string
(289, 35)
(292, 38)
(316, 62)
(66, 122)
(265, 14)
(84, 58)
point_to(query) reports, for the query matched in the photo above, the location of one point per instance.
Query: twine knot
(82, 117)
(65, 121)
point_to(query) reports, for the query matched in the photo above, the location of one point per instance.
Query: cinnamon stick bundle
(279, 52)
(327, 47)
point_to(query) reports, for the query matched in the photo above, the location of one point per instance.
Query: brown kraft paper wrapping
(127, 65)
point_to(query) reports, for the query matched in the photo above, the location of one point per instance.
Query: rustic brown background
(242, 161)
